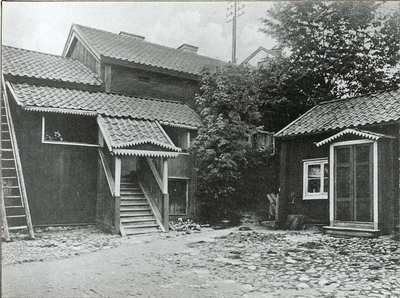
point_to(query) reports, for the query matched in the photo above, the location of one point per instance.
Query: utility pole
(234, 12)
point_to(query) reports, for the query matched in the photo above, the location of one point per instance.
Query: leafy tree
(338, 47)
(228, 104)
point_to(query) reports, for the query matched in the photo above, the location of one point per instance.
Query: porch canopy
(356, 132)
(136, 137)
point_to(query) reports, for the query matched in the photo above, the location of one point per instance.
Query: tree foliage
(338, 47)
(229, 104)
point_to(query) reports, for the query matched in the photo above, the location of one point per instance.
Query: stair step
(9, 177)
(3, 149)
(127, 220)
(133, 209)
(11, 197)
(135, 199)
(133, 203)
(13, 207)
(17, 228)
(11, 186)
(130, 213)
(7, 168)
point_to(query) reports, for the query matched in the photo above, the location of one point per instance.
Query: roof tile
(111, 105)
(125, 132)
(350, 112)
(139, 51)
(25, 63)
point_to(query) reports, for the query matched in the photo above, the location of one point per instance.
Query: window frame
(67, 143)
(319, 195)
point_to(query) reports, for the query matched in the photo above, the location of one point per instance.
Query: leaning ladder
(14, 204)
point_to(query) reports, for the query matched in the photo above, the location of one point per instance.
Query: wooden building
(340, 165)
(103, 131)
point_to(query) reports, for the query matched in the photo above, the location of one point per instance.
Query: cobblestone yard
(281, 261)
(256, 263)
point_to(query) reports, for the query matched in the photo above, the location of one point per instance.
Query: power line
(235, 11)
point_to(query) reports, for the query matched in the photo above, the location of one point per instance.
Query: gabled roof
(273, 53)
(30, 64)
(357, 132)
(352, 112)
(136, 50)
(63, 100)
(121, 133)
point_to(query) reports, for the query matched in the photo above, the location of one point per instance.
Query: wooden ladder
(14, 204)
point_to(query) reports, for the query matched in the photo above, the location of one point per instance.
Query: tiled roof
(24, 63)
(43, 98)
(125, 132)
(136, 50)
(345, 113)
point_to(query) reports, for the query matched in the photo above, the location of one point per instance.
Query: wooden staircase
(136, 214)
(14, 210)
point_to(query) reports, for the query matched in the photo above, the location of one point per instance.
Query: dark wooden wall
(80, 53)
(60, 180)
(294, 150)
(142, 83)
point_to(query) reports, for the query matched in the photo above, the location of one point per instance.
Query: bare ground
(223, 263)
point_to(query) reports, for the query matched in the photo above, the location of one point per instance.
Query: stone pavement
(259, 263)
(296, 264)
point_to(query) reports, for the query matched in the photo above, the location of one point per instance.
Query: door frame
(332, 177)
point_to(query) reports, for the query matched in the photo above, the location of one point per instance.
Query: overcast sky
(44, 26)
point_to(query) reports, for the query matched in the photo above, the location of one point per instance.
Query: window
(316, 184)
(179, 136)
(69, 130)
(264, 141)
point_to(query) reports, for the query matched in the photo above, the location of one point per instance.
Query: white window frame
(318, 195)
(44, 141)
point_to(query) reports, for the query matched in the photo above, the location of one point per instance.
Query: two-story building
(100, 134)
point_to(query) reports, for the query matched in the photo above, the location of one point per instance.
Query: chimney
(188, 48)
(122, 33)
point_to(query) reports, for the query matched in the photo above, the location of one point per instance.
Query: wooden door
(353, 185)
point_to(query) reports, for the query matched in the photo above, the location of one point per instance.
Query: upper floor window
(315, 179)
(264, 140)
(179, 136)
(69, 130)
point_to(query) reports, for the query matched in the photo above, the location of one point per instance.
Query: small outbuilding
(340, 165)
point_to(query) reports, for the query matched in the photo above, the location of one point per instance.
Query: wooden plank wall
(60, 180)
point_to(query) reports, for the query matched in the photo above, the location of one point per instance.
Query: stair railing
(20, 175)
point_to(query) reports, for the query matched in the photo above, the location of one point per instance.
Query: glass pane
(343, 155)
(343, 211)
(362, 153)
(314, 171)
(343, 182)
(314, 186)
(326, 185)
(326, 170)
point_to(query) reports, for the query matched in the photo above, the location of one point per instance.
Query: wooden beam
(117, 209)
(165, 194)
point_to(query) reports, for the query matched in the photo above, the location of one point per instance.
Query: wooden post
(117, 195)
(165, 194)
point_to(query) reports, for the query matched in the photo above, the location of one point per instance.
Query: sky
(44, 26)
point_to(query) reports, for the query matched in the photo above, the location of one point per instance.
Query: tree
(228, 103)
(338, 47)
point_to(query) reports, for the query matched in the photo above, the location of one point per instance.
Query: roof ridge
(152, 43)
(360, 96)
(42, 53)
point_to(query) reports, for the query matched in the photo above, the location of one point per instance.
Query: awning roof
(123, 133)
(361, 133)
(72, 101)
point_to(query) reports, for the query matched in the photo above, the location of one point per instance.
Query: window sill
(315, 197)
(71, 144)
